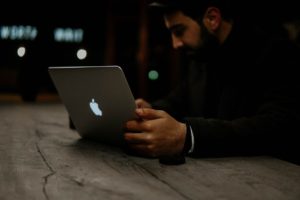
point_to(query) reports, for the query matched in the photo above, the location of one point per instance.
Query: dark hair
(193, 8)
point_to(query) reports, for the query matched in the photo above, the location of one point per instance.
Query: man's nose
(177, 43)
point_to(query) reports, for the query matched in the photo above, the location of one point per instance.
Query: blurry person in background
(239, 94)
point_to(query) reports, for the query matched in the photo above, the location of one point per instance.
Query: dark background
(117, 32)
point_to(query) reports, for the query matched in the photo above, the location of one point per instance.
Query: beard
(207, 48)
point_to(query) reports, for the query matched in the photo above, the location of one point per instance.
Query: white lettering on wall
(68, 35)
(18, 32)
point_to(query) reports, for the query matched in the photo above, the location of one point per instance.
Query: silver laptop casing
(107, 85)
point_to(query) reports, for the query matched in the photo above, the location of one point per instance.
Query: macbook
(97, 98)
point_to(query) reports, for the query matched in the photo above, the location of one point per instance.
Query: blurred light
(68, 35)
(81, 54)
(18, 32)
(153, 75)
(21, 51)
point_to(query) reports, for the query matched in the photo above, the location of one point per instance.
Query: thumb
(149, 113)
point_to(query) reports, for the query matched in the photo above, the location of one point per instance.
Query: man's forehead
(175, 18)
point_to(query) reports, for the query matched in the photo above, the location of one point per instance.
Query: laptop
(98, 99)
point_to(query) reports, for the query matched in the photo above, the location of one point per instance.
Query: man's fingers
(137, 138)
(141, 103)
(137, 126)
(133, 126)
(149, 113)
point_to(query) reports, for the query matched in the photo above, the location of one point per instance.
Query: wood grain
(41, 158)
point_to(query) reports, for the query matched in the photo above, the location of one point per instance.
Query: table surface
(41, 158)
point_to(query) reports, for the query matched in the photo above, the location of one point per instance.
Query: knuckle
(147, 126)
(145, 111)
(149, 138)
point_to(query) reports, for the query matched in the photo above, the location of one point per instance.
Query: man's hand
(141, 103)
(155, 134)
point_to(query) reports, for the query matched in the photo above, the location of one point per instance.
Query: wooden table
(41, 158)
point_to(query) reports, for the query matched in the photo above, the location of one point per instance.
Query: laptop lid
(97, 98)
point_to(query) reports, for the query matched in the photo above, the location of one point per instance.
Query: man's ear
(212, 19)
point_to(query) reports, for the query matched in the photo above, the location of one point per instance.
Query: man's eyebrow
(175, 27)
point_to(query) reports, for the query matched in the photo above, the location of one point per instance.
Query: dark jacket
(244, 99)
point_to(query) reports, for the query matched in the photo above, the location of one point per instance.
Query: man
(239, 95)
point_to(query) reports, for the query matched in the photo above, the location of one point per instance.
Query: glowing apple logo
(95, 108)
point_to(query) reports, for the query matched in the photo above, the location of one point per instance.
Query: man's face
(188, 35)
